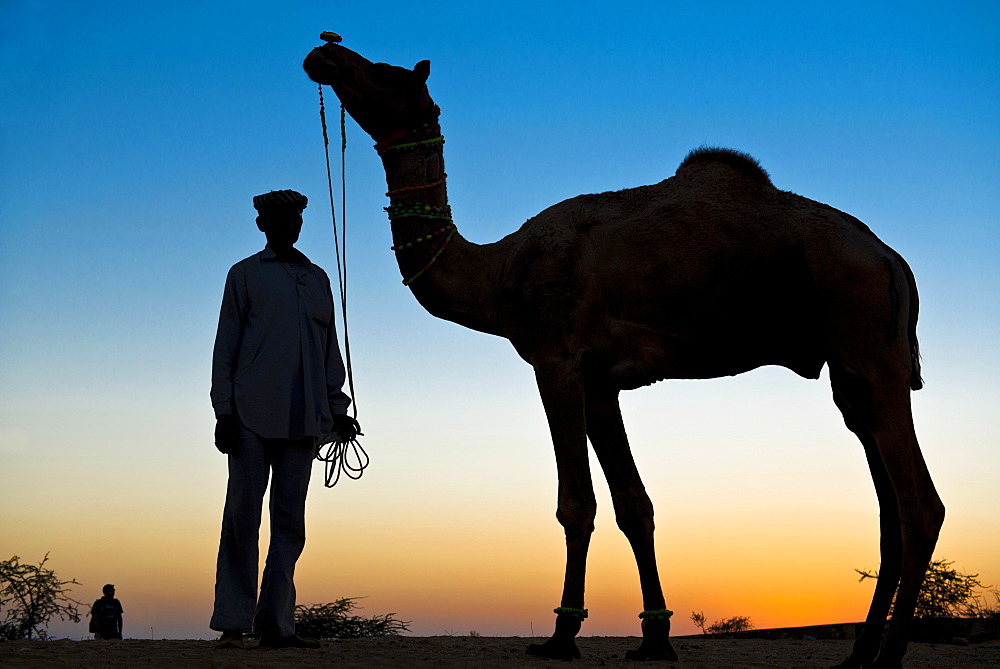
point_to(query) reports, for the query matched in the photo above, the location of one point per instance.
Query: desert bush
(979, 606)
(30, 596)
(336, 620)
(724, 626)
(948, 593)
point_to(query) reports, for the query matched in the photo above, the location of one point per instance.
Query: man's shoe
(230, 640)
(293, 641)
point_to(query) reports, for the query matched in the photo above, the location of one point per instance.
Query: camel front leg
(561, 389)
(634, 513)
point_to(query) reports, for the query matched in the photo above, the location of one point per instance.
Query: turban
(279, 198)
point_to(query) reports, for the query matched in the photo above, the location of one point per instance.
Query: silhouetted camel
(710, 273)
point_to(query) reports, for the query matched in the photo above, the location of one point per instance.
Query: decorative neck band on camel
(425, 238)
(418, 210)
(407, 189)
(428, 135)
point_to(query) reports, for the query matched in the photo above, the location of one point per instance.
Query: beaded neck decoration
(410, 145)
(407, 189)
(417, 210)
(428, 134)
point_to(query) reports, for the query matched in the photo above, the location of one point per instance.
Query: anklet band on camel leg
(658, 614)
(580, 614)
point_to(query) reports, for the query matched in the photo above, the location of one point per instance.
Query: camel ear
(422, 69)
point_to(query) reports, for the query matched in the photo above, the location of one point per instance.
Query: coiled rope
(341, 457)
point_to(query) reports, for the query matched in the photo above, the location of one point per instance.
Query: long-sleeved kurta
(276, 362)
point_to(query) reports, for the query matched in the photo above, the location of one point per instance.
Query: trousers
(238, 606)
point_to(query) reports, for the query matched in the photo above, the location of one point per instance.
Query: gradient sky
(133, 136)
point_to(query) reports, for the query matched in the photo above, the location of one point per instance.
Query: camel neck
(416, 179)
(451, 277)
(414, 168)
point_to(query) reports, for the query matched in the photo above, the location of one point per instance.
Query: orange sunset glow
(135, 135)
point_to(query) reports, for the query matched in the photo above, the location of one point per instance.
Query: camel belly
(638, 359)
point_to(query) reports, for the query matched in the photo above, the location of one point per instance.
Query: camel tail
(916, 381)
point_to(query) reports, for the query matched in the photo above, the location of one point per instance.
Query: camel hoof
(877, 663)
(554, 650)
(652, 651)
(880, 662)
(655, 642)
(849, 663)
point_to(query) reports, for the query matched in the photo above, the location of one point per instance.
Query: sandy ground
(457, 651)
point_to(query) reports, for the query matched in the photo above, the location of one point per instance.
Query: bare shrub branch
(724, 626)
(948, 593)
(30, 596)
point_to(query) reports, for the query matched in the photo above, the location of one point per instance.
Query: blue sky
(133, 136)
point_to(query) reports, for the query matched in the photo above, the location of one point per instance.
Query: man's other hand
(347, 428)
(227, 434)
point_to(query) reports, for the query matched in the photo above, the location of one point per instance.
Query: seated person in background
(106, 615)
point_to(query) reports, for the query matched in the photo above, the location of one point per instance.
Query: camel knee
(934, 512)
(922, 525)
(634, 516)
(577, 519)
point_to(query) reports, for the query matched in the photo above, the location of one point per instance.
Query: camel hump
(743, 163)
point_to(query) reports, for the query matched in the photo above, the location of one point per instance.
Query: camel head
(383, 99)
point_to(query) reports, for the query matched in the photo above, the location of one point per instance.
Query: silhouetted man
(106, 615)
(277, 379)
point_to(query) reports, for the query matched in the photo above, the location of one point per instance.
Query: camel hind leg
(876, 407)
(848, 396)
(634, 514)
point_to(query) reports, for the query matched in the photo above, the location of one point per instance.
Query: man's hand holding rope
(347, 427)
(344, 455)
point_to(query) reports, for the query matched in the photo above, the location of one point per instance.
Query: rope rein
(341, 457)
